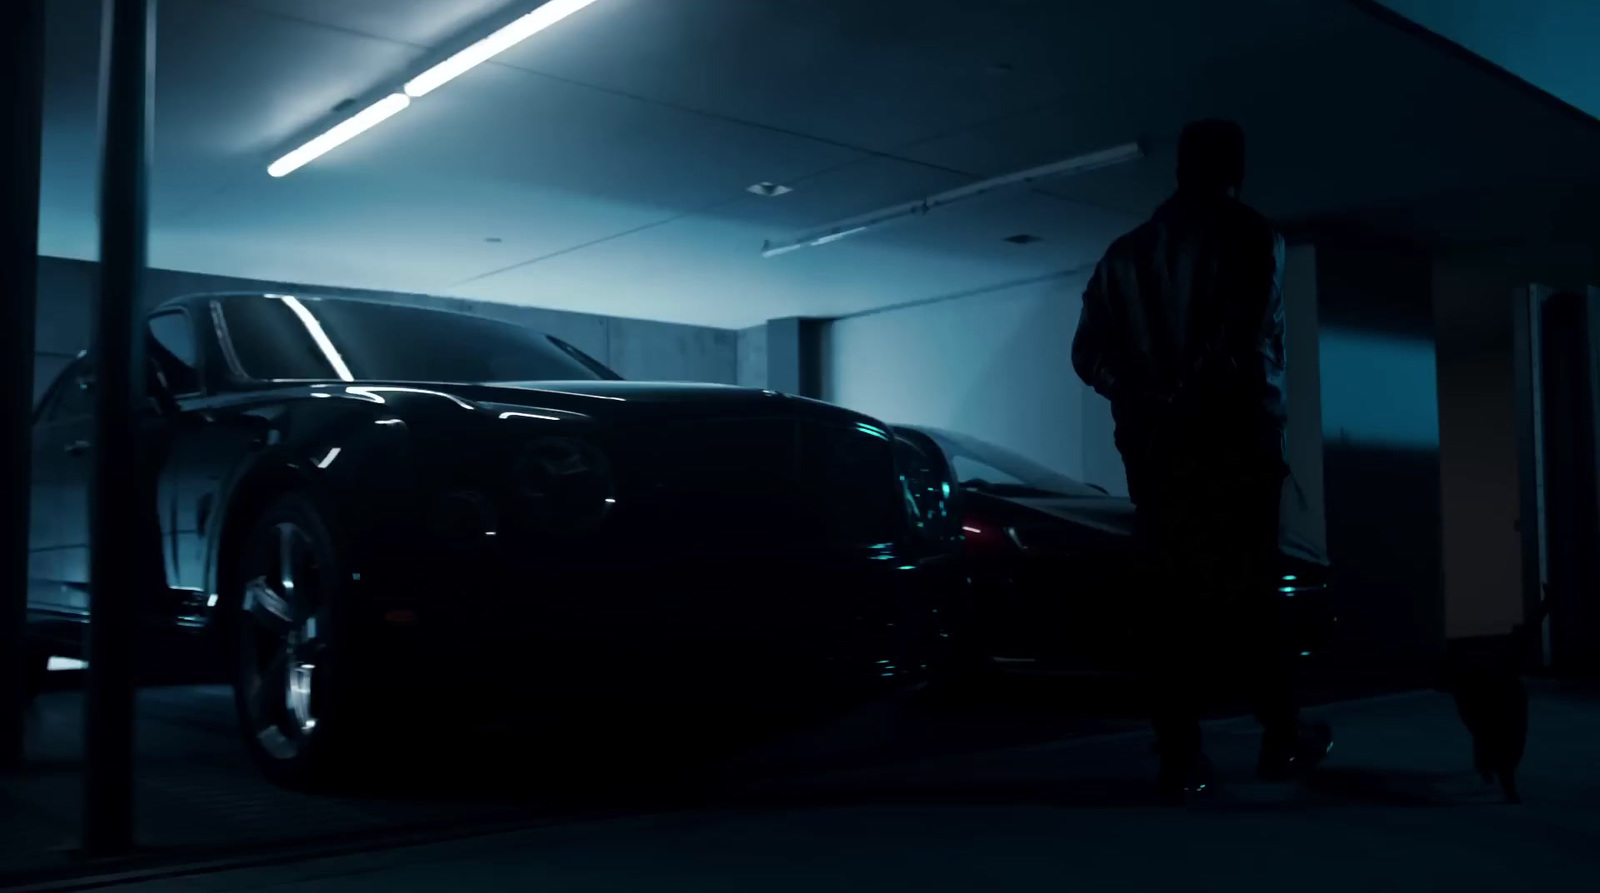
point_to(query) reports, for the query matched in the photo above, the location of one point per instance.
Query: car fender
(361, 474)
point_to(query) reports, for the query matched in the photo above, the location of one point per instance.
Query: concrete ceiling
(1548, 43)
(608, 156)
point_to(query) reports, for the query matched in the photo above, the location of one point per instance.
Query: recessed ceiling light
(1023, 239)
(770, 190)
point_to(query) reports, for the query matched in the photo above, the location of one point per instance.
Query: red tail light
(984, 537)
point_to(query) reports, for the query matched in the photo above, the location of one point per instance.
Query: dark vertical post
(1527, 352)
(118, 350)
(22, 79)
(794, 356)
(1572, 506)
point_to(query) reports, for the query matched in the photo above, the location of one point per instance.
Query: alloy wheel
(283, 627)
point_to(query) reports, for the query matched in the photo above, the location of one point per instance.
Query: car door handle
(77, 448)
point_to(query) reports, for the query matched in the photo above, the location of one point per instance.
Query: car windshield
(992, 469)
(284, 338)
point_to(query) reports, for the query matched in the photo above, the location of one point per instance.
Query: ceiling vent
(770, 190)
(1023, 239)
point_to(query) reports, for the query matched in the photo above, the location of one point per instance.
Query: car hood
(614, 400)
(1114, 515)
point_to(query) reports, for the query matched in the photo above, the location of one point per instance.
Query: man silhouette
(1182, 329)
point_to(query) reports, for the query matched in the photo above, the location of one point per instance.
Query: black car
(373, 505)
(1052, 563)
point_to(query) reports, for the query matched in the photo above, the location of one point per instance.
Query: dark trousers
(1215, 614)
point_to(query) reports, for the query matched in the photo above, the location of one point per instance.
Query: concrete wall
(996, 365)
(637, 349)
(751, 358)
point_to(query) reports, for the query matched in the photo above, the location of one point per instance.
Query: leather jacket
(1182, 329)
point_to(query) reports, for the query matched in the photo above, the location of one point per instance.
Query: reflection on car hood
(647, 391)
(617, 400)
(1114, 515)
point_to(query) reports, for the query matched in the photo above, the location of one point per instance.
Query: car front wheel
(290, 636)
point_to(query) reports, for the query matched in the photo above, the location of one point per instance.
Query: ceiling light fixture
(340, 133)
(453, 66)
(504, 39)
(845, 228)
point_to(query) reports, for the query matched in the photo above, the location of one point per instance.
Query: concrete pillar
(1380, 430)
(794, 356)
(1302, 511)
(22, 30)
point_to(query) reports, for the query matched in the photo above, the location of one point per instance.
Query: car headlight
(1293, 584)
(564, 484)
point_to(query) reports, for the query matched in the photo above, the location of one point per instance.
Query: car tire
(293, 666)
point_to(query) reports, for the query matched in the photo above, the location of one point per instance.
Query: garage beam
(22, 58)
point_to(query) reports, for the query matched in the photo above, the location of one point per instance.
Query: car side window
(174, 351)
(927, 486)
(970, 469)
(70, 398)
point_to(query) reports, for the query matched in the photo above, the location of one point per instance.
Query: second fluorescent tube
(504, 39)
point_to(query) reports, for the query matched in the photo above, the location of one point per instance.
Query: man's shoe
(1281, 760)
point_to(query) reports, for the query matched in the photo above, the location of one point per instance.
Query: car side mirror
(159, 392)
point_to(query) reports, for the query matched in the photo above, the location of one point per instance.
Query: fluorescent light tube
(523, 28)
(340, 133)
(834, 237)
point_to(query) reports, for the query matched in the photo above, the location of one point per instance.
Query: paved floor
(1394, 809)
(197, 798)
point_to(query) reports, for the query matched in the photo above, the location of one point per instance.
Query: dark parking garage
(642, 444)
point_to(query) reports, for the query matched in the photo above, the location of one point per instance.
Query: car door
(178, 451)
(58, 560)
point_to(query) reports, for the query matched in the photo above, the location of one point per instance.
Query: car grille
(738, 484)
